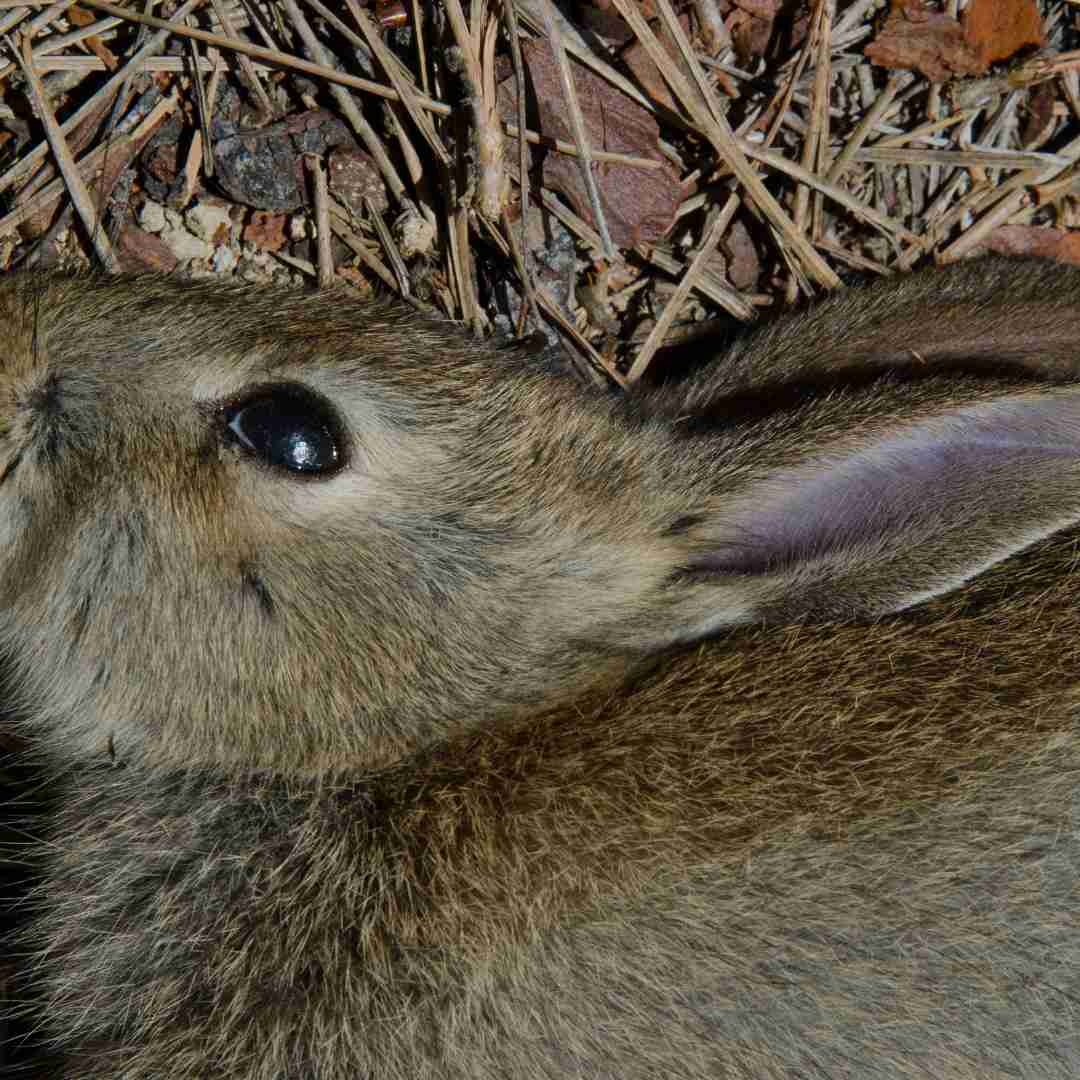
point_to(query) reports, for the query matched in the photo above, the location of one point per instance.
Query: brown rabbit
(365, 663)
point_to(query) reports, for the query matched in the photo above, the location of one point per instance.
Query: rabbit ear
(872, 521)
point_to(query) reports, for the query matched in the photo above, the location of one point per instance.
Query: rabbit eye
(288, 430)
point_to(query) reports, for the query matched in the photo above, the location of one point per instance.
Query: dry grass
(800, 159)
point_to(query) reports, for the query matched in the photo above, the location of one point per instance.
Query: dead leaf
(639, 204)
(762, 9)
(77, 16)
(140, 251)
(743, 261)
(267, 231)
(642, 66)
(998, 29)
(603, 19)
(355, 278)
(917, 37)
(1060, 244)
(750, 35)
(1041, 121)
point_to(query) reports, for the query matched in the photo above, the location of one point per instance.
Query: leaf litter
(685, 166)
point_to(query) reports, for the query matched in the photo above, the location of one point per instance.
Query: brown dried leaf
(639, 204)
(355, 278)
(743, 261)
(603, 19)
(267, 231)
(78, 16)
(998, 29)
(1041, 122)
(919, 38)
(642, 66)
(140, 251)
(1060, 244)
(762, 9)
(750, 35)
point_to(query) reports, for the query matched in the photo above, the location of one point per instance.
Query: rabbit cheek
(39, 476)
(255, 587)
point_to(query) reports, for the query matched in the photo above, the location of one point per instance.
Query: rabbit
(409, 711)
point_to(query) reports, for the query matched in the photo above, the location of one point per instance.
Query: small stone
(209, 222)
(224, 261)
(353, 176)
(415, 234)
(185, 246)
(259, 173)
(152, 217)
(263, 169)
(298, 227)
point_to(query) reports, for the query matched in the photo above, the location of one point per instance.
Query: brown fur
(452, 792)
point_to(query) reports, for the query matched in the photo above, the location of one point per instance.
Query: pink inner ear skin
(923, 477)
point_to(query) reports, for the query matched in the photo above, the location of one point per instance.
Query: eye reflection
(288, 430)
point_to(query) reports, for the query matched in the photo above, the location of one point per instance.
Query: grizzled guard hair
(409, 711)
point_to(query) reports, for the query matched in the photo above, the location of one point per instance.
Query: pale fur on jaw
(416, 784)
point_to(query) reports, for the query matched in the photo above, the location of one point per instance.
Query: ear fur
(884, 487)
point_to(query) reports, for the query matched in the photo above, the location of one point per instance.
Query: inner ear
(906, 515)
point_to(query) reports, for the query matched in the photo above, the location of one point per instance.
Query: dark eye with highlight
(288, 429)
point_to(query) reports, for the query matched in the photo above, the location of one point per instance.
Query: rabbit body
(719, 730)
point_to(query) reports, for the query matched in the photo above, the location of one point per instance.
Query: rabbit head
(265, 529)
